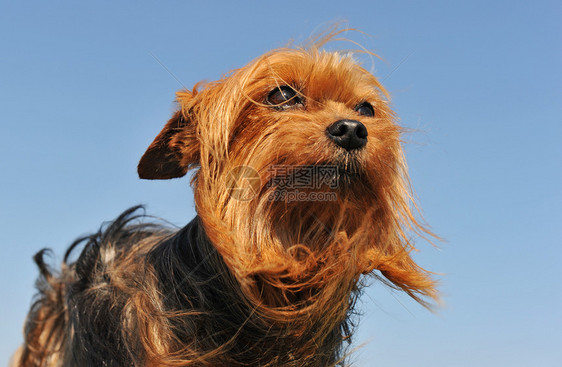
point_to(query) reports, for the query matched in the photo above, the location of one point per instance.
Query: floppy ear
(173, 152)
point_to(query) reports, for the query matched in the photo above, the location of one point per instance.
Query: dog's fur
(254, 282)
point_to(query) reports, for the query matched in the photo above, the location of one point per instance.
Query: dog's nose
(348, 134)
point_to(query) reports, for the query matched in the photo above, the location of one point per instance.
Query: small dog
(300, 188)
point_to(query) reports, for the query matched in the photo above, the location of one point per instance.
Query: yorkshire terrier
(301, 190)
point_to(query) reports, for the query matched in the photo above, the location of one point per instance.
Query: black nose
(348, 134)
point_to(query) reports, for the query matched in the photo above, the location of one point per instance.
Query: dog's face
(289, 108)
(288, 115)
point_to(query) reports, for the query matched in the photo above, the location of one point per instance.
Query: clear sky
(81, 97)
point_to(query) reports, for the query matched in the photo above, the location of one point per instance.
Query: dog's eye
(365, 109)
(283, 97)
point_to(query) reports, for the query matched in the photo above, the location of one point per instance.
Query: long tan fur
(253, 281)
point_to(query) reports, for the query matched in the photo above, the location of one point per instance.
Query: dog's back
(78, 314)
(140, 293)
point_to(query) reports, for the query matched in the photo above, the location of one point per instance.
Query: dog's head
(298, 150)
(290, 107)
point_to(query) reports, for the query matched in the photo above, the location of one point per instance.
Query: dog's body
(265, 279)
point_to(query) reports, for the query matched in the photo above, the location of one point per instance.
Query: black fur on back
(78, 314)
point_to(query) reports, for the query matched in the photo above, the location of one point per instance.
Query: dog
(301, 192)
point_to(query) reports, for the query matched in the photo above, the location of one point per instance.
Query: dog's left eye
(284, 97)
(365, 109)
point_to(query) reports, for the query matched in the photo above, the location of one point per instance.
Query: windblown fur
(255, 282)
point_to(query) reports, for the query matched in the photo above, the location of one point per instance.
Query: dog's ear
(173, 152)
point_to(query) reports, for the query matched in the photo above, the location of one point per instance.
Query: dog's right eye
(284, 97)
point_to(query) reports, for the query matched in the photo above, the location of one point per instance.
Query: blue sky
(478, 82)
